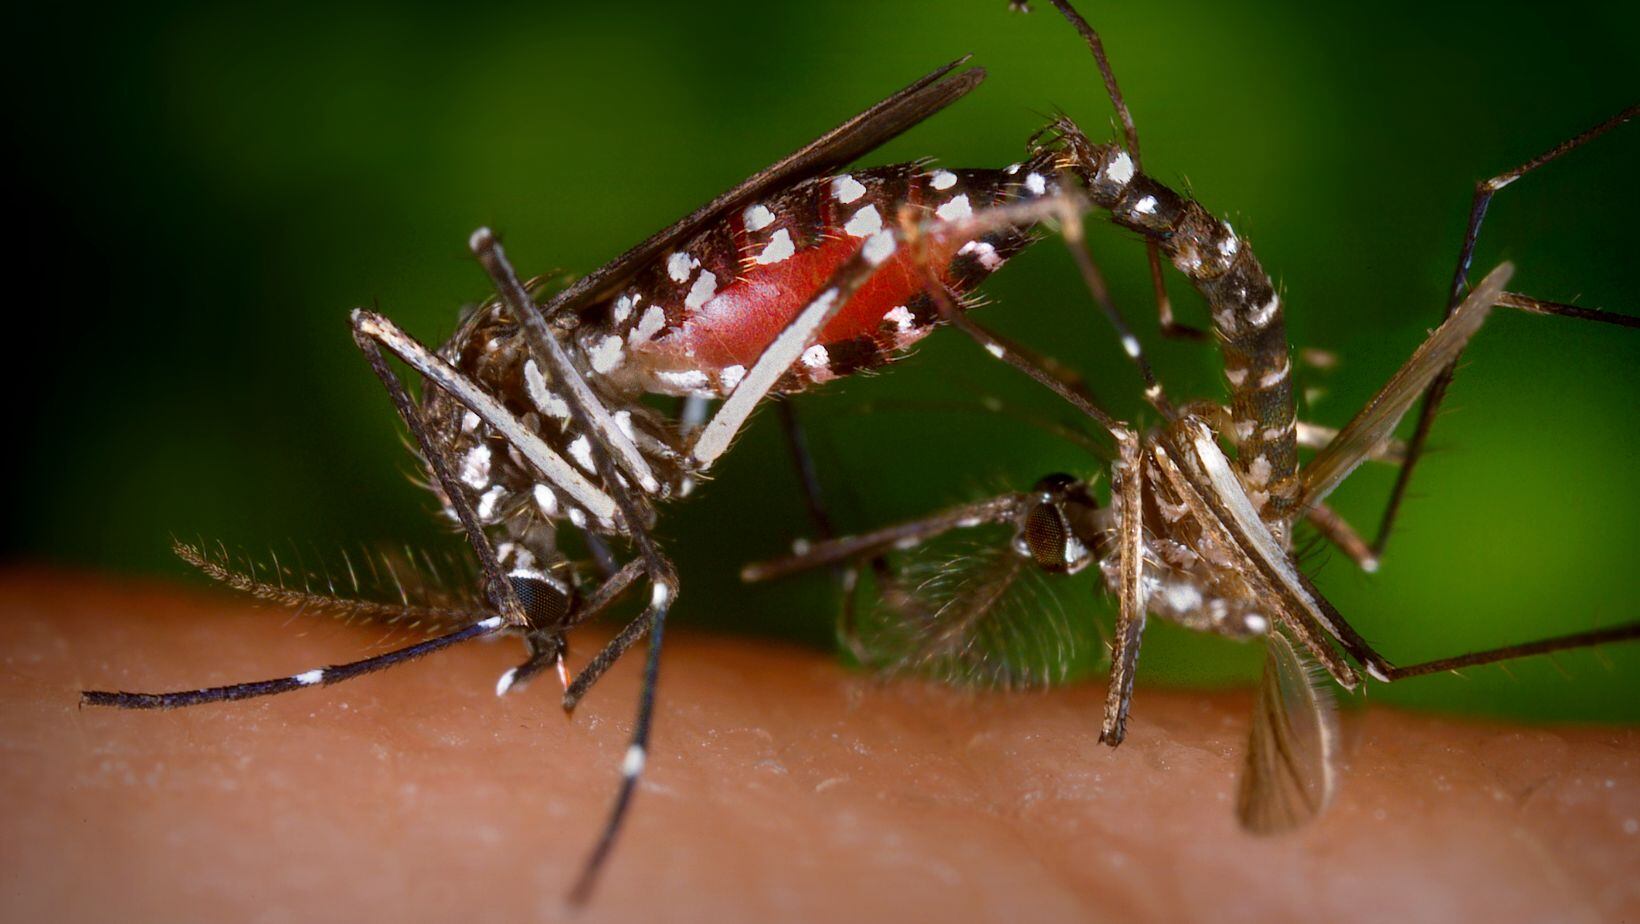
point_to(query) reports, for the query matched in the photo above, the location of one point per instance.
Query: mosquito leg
(1620, 633)
(610, 447)
(1128, 494)
(1076, 243)
(498, 588)
(846, 575)
(1341, 534)
(1164, 306)
(323, 676)
(1484, 191)
(1004, 508)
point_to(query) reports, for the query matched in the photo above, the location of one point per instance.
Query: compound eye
(546, 602)
(1045, 537)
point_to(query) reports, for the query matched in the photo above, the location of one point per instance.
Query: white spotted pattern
(488, 500)
(846, 189)
(679, 265)
(1145, 206)
(545, 401)
(702, 291)
(652, 321)
(816, 357)
(779, 248)
(309, 678)
(581, 451)
(758, 217)
(879, 247)
(1262, 315)
(1120, 169)
(983, 252)
(546, 500)
(607, 354)
(1035, 184)
(943, 179)
(475, 467)
(864, 223)
(956, 209)
(900, 317)
(731, 376)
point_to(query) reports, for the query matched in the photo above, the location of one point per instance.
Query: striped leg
(612, 452)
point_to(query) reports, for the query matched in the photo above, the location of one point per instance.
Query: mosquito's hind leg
(1484, 191)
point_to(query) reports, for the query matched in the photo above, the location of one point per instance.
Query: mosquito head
(1060, 529)
(547, 601)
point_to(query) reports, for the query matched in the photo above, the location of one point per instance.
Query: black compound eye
(1045, 537)
(545, 602)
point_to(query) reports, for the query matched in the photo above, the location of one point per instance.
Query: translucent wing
(973, 612)
(1289, 775)
(841, 145)
(1373, 426)
(394, 586)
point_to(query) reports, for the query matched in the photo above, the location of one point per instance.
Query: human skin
(781, 786)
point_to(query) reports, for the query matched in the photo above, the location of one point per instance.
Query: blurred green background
(219, 185)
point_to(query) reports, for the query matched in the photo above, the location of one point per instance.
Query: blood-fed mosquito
(1193, 532)
(534, 415)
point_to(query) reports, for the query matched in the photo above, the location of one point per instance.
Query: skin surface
(780, 787)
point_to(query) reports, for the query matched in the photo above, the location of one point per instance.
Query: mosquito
(1192, 533)
(534, 413)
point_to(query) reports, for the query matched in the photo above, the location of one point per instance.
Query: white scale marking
(1262, 315)
(1275, 376)
(956, 209)
(309, 678)
(607, 354)
(1235, 376)
(864, 223)
(679, 265)
(900, 317)
(779, 248)
(1036, 185)
(846, 189)
(546, 501)
(506, 681)
(943, 179)
(494, 622)
(1120, 169)
(581, 451)
(623, 308)
(731, 376)
(702, 291)
(879, 247)
(654, 318)
(632, 764)
(1145, 206)
(1131, 345)
(488, 501)
(545, 401)
(995, 349)
(475, 467)
(758, 217)
(816, 357)
(469, 422)
(683, 380)
(983, 252)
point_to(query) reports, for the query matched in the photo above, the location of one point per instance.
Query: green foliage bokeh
(218, 185)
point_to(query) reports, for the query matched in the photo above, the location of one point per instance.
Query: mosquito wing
(1374, 424)
(1289, 775)
(843, 144)
(974, 613)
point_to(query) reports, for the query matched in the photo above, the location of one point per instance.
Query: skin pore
(781, 786)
